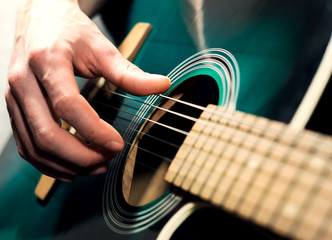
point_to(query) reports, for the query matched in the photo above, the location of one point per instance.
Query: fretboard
(259, 169)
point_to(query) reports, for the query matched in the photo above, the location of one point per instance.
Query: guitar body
(277, 48)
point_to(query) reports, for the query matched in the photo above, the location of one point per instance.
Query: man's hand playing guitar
(54, 41)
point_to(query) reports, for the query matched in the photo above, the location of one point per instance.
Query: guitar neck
(260, 169)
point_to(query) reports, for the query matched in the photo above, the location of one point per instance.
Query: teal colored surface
(269, 43)
(17, 201)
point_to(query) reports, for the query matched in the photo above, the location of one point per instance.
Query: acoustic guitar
(223, 153)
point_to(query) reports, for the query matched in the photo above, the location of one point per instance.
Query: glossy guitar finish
(276, 47)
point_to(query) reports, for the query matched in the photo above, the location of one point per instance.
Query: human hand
(55, 40)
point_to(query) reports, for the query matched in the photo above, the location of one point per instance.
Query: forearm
(91, 7)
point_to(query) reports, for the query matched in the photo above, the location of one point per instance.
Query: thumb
(127, 76)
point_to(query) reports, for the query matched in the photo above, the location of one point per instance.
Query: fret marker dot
(290, 210)
(253, 164)
(317, 162)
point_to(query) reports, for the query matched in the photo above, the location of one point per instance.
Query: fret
(326, 189)
(227, 149)
(325, 146)
(245, 176)
(221, 166)
(315, 204)
(260, 169)
(304, 142)
(190, 177)
(202, 177)
(211, 111)
(325, 231)
(246, 204)
(287, 212)
(186, 148)
(241, 157)
(209, 145)
(190, 158)
(225, 182)
(312, 219)
(214, 178)
(176, 165)
(283, 182)
(197, 143)
(279, 149)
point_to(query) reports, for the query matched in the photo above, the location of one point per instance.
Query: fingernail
(64, 179)
(115, 146)
(99, 170)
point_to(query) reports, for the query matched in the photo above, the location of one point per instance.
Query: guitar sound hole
(157, 145)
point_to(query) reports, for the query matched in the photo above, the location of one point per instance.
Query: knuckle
(63, 104)
(46, 54)
(8, 95)
(15, 78)
(37, 55)
(44, 138)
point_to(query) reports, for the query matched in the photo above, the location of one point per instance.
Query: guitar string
(228, 115)
(195, 137)
(212, 124)
(144, 118)
(151, 168)
(215, 125)
(144, 133)
(150, 152)
(146, 150)
(147, 166)
(164, 158)
(216, 113)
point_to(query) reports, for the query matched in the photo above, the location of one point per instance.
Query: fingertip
(115, 146)
(65, 179)
(99, 170)
(162, 82)
(145, 84)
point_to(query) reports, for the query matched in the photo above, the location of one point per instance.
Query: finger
(20, 146)
(49, 169)
(44, 165)
(45, 141)
(106, 61)
(51, 172)
(69, 105)
(133, 80)
(99, 170)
